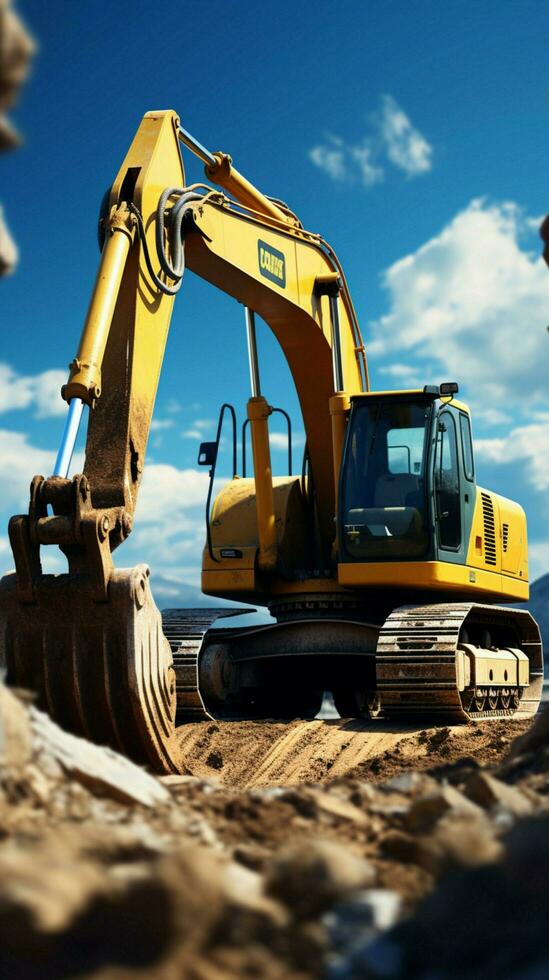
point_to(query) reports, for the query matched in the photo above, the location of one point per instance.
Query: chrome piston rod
(200, 151)
(252, 352)
(68, 439)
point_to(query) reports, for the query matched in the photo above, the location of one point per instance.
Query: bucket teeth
(102, 670)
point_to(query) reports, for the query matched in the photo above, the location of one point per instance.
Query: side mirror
(207, 454)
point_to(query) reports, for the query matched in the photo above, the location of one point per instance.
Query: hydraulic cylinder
(85, 372)
(258, 414)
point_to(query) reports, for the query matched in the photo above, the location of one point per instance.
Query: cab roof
(418, 393)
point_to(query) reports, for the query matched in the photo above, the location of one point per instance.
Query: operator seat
(396, 490)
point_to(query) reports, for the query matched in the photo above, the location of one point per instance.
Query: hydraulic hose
(173, 264)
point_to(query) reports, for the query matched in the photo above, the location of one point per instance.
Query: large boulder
(16, 51)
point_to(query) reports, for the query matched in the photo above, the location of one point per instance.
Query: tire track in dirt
(314, 748)
(248, 754)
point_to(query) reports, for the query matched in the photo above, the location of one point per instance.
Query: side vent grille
(505, 535)
(490, 554)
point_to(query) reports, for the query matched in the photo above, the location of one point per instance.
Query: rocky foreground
(106, 871)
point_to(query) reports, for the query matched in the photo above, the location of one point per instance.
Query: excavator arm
(252, 249)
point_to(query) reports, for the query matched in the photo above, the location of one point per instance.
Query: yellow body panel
(431, 575)
(498, 541)
(234, 526)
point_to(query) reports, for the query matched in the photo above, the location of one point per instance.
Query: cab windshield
(383, 501)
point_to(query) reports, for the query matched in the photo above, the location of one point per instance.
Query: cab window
(382, 493)
(467, 446)
(447, 484)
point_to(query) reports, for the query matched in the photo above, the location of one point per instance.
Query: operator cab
(406, 456)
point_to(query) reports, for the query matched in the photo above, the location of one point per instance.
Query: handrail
(225, 407)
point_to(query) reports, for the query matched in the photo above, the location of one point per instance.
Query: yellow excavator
(380, 562)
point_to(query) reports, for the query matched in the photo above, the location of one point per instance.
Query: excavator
(382, 562)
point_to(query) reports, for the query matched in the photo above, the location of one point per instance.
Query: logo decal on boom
(272, 263)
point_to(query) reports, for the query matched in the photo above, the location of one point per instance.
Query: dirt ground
(267, 753)
(332, 849)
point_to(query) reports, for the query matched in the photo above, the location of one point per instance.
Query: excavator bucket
(102, 670)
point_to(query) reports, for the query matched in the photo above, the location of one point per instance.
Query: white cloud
(404, 374)
(42, 392)
(157, 425)
(390, 137)
(405, 146)
(19, 462)
(331, 158)
(527, 445)
(279, 440)
(170, 521)
(364, 157)
(199, 428)
(474, 303)
(173, 406)
(167, 493)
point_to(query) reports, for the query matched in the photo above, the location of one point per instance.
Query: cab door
(448, 502)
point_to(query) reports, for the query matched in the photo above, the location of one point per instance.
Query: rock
(243, 888)
(303, 803)
(410, 782)
(489, 792)
(461, 839)
(38, 783)
(64, 913)
(426, 810)
(390, 811)
(536, 737)
(360, 793)
(361, 919)
(16, 50)
(458, 839)
(335, 806)
(399, 846)
(40, 891)
(310, 876)
(176, 781)
(490, 921)
(100, 769)
(8, 248)
(251, 856)
(15, 731)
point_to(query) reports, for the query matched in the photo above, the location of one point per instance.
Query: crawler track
(416, 660)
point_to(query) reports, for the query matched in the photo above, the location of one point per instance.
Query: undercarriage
(121, 674)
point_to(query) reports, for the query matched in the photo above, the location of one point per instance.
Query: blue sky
(411, 136)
